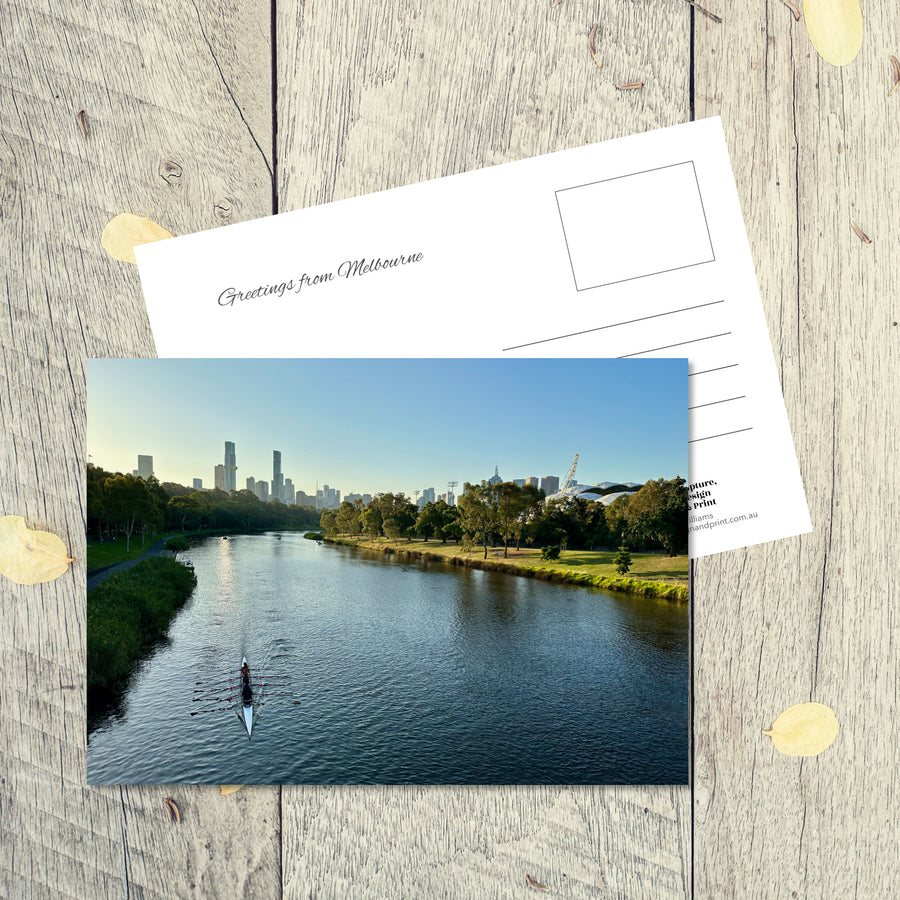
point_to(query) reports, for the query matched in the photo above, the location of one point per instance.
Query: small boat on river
(246, 697)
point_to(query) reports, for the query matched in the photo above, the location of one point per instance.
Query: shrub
(550, 552)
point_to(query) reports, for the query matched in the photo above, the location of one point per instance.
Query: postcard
(630, 248)
(378, 571)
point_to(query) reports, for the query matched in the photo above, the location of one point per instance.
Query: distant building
(251, 485)
(145, 467)
(519, 481)
(277, 477)
(230, 467)
(428, 496)
(352, 498)
(219, 478)
(262, 490)
(135, 473)
(198, 484)
(301, 498)
(288, 491)
(495, 478)
(550, 484)
(532, 481)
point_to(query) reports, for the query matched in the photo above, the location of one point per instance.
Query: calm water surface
(385, 671)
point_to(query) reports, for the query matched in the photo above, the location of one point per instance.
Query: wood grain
(813, 618)
(165, 139)
(381, 97)
(178, 108)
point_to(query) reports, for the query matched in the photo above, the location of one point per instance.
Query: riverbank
(652, 575)
(128, 613)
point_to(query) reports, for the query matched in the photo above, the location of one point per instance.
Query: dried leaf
(860, 233)
(592, 46)
(793, 8)
(173, 811)
(630, 85)
(126, 231)
(230, 789)
(804, 730)
(534, 884)
(835, 28)
(82, 123)
(30, 557)
(896, 64)
(705, 11)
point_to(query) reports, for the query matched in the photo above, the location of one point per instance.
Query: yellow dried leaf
(126, 231)
(30, 557)
(804, 730)
(835, 28)
(230, 789)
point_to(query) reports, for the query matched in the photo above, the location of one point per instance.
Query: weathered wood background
(203, 114)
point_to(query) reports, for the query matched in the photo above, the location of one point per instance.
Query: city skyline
(374, 426)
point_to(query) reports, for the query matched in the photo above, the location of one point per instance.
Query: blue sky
(370, 425)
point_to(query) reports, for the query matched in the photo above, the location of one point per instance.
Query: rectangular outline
(648, 274)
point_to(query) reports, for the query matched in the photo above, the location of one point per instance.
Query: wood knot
(223, 209)
(170, 172)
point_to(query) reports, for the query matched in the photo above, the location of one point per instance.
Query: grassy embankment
(651, 575)
(128, 613)
(108, 553)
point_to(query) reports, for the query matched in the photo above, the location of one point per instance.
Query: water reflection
(393, 671)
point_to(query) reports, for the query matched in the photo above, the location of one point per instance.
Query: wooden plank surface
(179, 117)
(813, 618)
(165, 139)
(385, 96)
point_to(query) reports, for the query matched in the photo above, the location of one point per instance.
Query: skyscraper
(219, 478)
(550, 484)
(262, 490)
(251, 485)
(495, 478)
(277, 477)
(198, 484)
(145, 467)
(230, 467)
(532, 481)
(288, 491)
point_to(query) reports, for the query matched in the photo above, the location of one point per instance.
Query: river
(382, 670)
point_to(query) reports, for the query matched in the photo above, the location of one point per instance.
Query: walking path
(100, 575)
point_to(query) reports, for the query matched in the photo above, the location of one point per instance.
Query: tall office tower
(428, 495)
(532, 481)
(219, 478)
(145, 467)
(251, 484)
(550, 484)
(198, 484)
(495, 478)
(289, 491)
(277, 477)
(230, 467)
(262, 490)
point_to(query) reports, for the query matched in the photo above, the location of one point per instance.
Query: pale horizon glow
(379, 425)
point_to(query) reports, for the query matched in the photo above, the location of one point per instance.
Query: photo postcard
(388, 571)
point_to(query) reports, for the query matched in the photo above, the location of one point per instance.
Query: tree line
(124, 504)
(654, 518)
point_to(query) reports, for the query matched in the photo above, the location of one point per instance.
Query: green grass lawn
(111, 552)
(645, 566)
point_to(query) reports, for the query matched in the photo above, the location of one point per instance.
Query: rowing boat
(246, 700)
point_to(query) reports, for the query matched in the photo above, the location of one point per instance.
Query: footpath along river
(387, 671)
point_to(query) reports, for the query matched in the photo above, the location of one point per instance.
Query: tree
(128, 502)
(477, 509)
(184, 509)
(622, 560)
(430, 520)
(658, 512)
(510, 506)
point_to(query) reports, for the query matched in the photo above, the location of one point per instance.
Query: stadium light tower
(451, 487)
